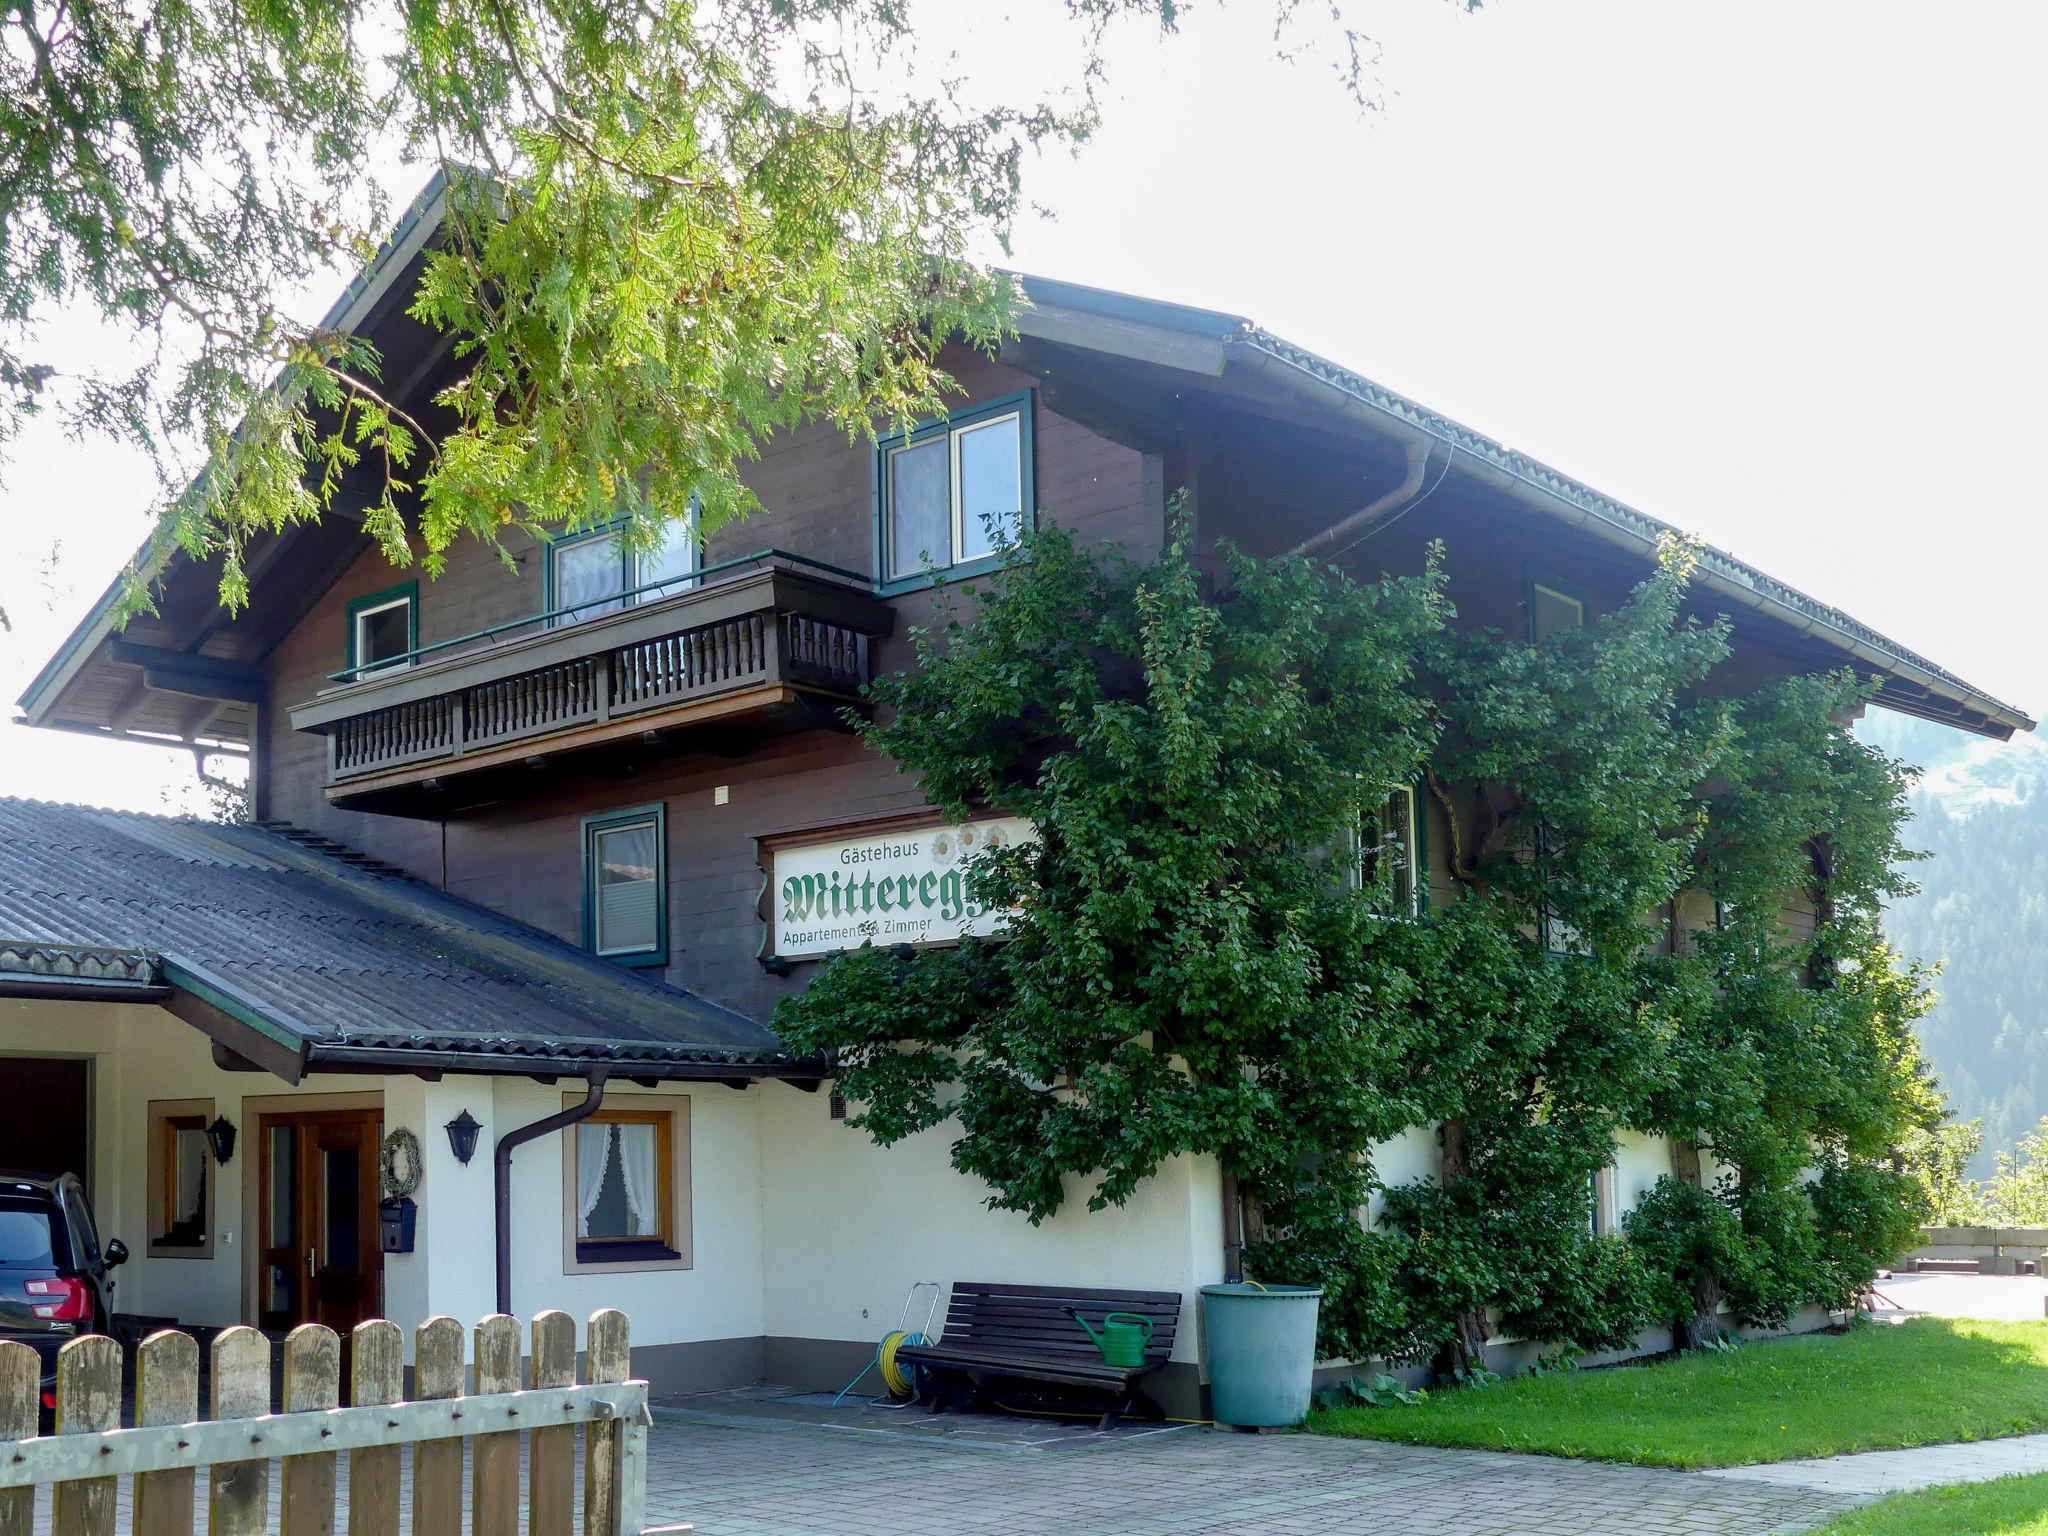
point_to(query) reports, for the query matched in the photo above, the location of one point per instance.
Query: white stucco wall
(850, 1225)
(141, 1053)
(719, 1296)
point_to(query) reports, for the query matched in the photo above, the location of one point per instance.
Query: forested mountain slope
(1981, 812)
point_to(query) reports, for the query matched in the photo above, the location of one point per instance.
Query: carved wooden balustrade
(763, 640)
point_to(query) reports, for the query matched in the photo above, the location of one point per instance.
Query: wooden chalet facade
(617, 754)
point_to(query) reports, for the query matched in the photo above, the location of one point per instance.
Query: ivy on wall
(1189, 971)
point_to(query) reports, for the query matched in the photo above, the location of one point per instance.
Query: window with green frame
(384, 629)
(953, 493)
(596, 572)
(625, 885)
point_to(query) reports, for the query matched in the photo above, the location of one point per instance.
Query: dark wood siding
(523, 857)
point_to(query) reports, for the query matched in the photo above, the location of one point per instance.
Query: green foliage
(1377, 1391)
(2016, 1195)
(1187, 971)
(1984, 821)
(1927, 1382)
(1938, 1159)
(674, 231)
(1165, 990)
(2003, 1506)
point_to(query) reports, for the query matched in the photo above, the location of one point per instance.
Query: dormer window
(594, 573)
(384, 629)
(953, 494)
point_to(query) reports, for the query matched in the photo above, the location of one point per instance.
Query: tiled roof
(1230, 341)
(338, 955)
(1543, 477)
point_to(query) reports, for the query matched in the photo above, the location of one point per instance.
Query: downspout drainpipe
(1233, 1230)
(501, 1169)
(1418, 460)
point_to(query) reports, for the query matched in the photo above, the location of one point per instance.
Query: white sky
(1769, 271)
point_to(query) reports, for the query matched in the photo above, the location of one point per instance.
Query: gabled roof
(1211, 344)
(1197, 344)
(332, 960)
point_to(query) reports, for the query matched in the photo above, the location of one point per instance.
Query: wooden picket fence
(176, 1458)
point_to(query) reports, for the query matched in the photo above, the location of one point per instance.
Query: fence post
(21, 1383)
(166, 1392)
(437, 1465)
(88, 1399)
(494, 1460)
(376, 1376)
(238, 1492)
(553, 1495)
(312, 1381)
(610, 1360)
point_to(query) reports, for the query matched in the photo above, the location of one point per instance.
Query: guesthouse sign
(901, 887)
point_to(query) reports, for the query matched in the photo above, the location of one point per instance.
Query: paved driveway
(735, 1476)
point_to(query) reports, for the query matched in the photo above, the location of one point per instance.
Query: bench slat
(1066, 1293)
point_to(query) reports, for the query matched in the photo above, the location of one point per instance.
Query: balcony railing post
(771, 647)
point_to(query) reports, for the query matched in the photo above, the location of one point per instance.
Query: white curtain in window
(636, 1165)
(590, 578)
(920, 503)
(593, 1154)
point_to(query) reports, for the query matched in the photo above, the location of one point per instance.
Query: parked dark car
(54, 1275)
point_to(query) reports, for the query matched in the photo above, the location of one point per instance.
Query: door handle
(312, 1263)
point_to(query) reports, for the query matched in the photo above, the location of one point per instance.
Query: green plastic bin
(1262, 1352)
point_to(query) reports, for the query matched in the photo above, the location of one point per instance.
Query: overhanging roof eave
(415, 227)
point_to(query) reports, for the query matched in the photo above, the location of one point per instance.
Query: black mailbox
(396, 1220)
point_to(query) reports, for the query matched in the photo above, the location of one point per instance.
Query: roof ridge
(181, 818)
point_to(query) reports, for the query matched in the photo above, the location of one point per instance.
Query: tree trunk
(1467, 1344)
(1703, 1328)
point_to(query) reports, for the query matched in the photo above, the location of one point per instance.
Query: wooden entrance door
(321, 1262)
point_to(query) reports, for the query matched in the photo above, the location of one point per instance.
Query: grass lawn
(2010, 1506)
(1873, 1388)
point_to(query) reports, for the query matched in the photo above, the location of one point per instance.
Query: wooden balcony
(764, 649)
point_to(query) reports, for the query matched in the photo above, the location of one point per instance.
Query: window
(384, 629)
(180, 1179)
(1553, 607)
(29, 1239)
(627, 1185)
(1561, 938)
(1388, 854)
(1600, 1219)
(595, 573)
(955, 492)
(625, 886)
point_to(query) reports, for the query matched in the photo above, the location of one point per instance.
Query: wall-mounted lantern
(462, 1137)
(220, 1136)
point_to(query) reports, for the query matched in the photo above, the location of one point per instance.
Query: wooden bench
(1005, 1341)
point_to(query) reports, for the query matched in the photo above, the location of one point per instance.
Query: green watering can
(1122, 1338)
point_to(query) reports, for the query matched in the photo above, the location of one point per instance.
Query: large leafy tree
(675, 228)
(1195, 966)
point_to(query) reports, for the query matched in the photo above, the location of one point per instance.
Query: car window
(81, 1226)
(29, 1236)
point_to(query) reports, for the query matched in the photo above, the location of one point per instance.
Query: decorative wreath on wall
(398, 1160)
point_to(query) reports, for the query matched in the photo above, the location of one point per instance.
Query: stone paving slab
(732, 1476)
(1870, 1474)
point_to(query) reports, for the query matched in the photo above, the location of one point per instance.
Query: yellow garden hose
(893, 1377)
